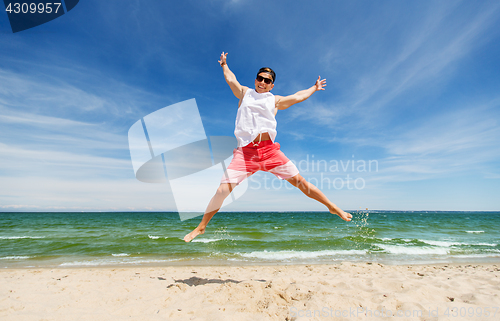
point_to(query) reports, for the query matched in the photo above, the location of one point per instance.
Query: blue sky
(413, 88)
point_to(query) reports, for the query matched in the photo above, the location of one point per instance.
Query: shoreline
(263, 292)
(159, 263)
(257, 265)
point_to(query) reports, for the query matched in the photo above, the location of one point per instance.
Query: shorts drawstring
(260, 139)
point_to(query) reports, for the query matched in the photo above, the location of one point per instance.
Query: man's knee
(297, 180)
(224, 190)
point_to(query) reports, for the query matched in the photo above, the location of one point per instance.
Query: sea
(38, 240)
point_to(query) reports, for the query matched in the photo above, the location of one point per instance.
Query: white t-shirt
(255, 116)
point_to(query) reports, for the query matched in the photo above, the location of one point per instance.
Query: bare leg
(213, 207)
(314, 193)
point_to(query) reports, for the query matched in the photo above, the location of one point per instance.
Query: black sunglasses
(266, 80)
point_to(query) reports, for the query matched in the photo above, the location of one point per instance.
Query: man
(255, 131)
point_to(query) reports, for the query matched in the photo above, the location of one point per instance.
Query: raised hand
(320, 84)
(222, 60)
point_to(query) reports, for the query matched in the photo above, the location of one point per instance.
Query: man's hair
(269, 71)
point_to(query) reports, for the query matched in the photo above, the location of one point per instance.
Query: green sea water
(121, 239)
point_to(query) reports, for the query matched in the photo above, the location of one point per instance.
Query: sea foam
(412, 250)
(287, 255)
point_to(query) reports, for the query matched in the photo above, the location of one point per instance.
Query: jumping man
(256, 131)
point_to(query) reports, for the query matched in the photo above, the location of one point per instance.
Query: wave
(125, 261)
(412, 250)
(287, 255)
(155, 237)
(443, 243)
(474, 231)
(481, 255)
(120, 254)
(206, 240)
(486, 244)
(16, 257)
(450, 244)
(20, 237)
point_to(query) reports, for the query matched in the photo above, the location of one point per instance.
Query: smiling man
(257, 150)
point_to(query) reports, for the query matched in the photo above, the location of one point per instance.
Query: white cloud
(429, 52)
(17, 162)
(457, 142)
(80, 95)
(48, 194)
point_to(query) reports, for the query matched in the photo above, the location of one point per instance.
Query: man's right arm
(238, 90)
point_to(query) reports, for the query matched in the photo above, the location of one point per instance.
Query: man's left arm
(300, 96)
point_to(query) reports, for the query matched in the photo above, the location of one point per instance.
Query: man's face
(263, 83)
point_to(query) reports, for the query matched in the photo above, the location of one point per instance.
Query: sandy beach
(368, 291)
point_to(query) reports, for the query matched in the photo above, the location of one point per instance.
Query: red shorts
(264, 156)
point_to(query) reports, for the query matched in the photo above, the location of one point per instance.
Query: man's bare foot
(197, 231)
(343, 215)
